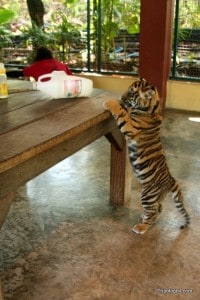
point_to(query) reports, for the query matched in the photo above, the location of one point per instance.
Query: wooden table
(36, 132)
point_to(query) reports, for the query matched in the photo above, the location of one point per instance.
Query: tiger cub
(139, 119)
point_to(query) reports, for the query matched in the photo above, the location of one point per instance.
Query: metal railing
(186, 42)
(124, 56)
(109, 39)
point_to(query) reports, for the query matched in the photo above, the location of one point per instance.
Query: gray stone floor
(62, 240)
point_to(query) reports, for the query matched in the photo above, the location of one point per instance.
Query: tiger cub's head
(142, 96)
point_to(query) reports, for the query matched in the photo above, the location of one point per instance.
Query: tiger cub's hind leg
(178, 200)
(152, 208)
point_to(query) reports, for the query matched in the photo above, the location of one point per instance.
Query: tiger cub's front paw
(140, 228)
(109, 104)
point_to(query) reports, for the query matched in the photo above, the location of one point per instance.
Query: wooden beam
(1, 292)
(156, 24)
(120, 176)
(5, 203)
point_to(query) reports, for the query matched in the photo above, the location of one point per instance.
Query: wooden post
(1, 293)
(120, 176)
(5, 204)
(156, 24)
(120, 169)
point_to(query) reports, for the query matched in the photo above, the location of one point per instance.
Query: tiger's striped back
(139, 119)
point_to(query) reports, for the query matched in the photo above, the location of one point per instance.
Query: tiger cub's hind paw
(140, 228)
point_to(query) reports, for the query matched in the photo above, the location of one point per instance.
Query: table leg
(1, 293)
(120, 176)
(5, 204)
(120, 169)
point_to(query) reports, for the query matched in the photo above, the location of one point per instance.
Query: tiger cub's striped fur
(139, 119)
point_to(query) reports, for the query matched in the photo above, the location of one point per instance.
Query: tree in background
(36, 11)
(38, 36)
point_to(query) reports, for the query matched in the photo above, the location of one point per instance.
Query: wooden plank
(36, 137)
(35, 110)
(29, 98)
(27, 114)
(14, 177)
(16, 101)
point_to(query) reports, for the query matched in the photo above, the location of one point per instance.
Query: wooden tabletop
(31, 121)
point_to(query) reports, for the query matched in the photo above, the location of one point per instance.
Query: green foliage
(5, 37)
(6, 15)
(66, 34)
(189, 14)
(131, 17)
(67, 31)
(5, 34)
(119, 15)
(188, 19)
(36, 35)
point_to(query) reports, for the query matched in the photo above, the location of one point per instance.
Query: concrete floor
(62, 240)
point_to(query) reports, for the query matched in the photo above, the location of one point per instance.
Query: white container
(60, 85)
(3, 82)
